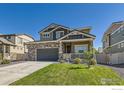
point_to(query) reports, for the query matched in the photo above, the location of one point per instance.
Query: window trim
(59, 34)
(84, 45)
(46, 35)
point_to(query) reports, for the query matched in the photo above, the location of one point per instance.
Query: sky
(31, 18)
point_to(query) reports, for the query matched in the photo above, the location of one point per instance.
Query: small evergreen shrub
(93, 61)
(62, 61)
(1, 56)
(5, 61)
(77, 60)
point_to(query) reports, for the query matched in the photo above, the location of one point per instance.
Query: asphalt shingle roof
(5, 41)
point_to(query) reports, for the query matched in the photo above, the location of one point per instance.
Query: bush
(84, 61)
(5, 61)
(93, 61)
(77, 60)
(1, 56)
(62, 61)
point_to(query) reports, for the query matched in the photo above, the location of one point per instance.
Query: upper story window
(19, 41)
(59, 34)
(46, 35)
(8, 37)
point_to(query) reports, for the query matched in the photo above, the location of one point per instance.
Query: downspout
(2, 51)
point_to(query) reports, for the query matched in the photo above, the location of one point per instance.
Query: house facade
(57, 41)
(113, 39)
(12, 46)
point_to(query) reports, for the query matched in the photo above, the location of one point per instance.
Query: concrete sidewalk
(9, 74)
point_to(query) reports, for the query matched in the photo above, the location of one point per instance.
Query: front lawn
(72, 74)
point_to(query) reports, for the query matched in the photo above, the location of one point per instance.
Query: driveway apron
(9, 74)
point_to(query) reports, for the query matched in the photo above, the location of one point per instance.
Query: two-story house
(113, 39)
(12, 46)
(57, 41)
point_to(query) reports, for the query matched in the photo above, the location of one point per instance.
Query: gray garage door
(49, 54)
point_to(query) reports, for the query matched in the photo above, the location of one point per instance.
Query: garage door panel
(47, 54)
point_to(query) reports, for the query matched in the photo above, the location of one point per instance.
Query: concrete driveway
(9, 74)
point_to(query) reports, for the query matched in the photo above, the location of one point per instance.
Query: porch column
(3, 50)
(60, 50)
(60, 47)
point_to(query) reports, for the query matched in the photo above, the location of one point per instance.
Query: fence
(116, 58)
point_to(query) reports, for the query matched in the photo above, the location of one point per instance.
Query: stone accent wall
(32, 49)
(17, 56)
(70, 56)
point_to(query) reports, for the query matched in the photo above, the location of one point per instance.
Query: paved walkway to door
(11, 73)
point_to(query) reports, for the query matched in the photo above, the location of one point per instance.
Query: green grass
(72, 74)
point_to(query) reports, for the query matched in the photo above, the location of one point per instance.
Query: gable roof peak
(82, 28)
(118, 22)
(53, 26)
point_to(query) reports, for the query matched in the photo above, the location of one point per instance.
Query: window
(122, 44)
(59, 34)
(19, 40)
(46, 35)
(7, 49)
(119, 45)
(8, 37)
(81, 48)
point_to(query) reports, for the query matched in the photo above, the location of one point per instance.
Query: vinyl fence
(116, 58)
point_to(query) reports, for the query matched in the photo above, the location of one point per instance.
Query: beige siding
(20, 47)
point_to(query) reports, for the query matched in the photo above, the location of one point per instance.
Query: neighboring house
(100, 49)
(113, 39)
(12, 46)
(57, 41)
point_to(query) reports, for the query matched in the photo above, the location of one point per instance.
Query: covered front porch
(5, 49)
(70, 49)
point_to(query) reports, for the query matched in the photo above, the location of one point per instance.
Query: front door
(68, 48)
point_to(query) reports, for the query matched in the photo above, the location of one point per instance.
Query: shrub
(62, 61)
(1, 56)
(84, 61)
(93, 61)
(77, 60)
(5, 61)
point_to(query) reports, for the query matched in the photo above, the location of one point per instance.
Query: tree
(88, 55)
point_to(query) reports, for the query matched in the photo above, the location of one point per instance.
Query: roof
(51, 27)
(54, 26)
(113, 27)
(5, 41)
(34, 42)
(26, 35)
(16, 35)
(72, 32)
(84, 28)
(84, 33)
